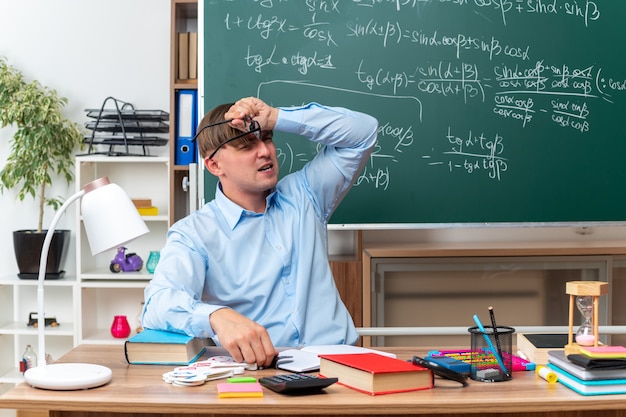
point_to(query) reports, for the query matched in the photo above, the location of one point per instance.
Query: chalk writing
(473, 153)
(477, 97)
(393, 139)
(586, 11)
(520, 92)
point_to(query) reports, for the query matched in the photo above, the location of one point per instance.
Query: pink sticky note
(239, 390)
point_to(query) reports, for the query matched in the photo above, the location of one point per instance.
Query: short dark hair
(210, 138)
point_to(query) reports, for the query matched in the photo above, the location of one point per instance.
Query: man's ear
(212, 166)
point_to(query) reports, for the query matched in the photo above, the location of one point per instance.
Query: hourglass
(584, 294)
(585, 336)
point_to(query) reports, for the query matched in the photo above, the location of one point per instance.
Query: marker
(488, 341)
(495, 333)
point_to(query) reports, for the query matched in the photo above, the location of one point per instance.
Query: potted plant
(42, 149)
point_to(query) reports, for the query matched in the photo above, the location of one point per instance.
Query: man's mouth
(266, 167)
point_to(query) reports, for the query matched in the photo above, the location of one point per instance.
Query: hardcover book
(595, 387)
(193, 55)
(157, 347)
(559, 359)
(375, 374)
(183, 56)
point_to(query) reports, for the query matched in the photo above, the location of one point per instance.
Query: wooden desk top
(140, 389)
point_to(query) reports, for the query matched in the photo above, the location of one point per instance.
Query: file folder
(187, 120)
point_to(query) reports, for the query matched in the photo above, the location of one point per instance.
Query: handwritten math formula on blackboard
(489, 111)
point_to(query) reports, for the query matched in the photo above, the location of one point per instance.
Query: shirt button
(279, 247)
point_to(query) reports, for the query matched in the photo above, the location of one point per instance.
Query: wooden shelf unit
(184, 15)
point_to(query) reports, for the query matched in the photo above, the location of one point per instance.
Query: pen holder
(486, 363)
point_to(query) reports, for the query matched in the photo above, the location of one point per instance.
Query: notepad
(239, 390)
(604, 351)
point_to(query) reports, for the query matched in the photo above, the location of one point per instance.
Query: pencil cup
(490, 358)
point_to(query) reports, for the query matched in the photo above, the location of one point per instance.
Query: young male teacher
(250, 269)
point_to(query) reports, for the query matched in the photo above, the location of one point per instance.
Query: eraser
(489, 373)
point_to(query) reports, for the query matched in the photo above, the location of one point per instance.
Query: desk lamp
(110, 220)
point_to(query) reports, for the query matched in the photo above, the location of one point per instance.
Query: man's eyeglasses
(251, 126)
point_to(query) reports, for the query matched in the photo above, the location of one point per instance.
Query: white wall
(87, 51)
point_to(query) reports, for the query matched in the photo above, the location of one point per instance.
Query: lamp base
(68, 376)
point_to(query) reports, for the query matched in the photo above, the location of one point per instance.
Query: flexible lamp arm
(110, 219)
(41, 321)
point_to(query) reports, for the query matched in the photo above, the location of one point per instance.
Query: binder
(186, 119)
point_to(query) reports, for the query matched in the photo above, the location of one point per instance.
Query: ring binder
(186, 121)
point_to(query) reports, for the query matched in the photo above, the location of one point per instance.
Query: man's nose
(263, 148)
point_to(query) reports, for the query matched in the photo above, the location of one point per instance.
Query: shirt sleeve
(174, 295)
(348, 138)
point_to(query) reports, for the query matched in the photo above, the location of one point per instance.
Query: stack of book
(589, 375)
(144, 206)
(187, 56)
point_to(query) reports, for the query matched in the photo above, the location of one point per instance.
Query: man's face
(248, 169)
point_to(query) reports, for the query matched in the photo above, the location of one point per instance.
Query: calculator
(296, 383)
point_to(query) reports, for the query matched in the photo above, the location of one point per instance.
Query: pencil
(495, 332)
(490, 344)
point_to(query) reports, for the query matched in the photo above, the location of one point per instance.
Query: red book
(375, 374)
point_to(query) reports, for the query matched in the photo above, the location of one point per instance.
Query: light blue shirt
(271, 267)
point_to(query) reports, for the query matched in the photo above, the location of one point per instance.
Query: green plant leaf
(42, 147)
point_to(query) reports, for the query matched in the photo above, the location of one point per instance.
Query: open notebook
(307, 359)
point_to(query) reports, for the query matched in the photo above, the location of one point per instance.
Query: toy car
(125, 262)
(48, 321)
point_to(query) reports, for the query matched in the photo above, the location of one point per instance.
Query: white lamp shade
(110, 218)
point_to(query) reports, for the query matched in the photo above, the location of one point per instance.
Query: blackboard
(490, 111)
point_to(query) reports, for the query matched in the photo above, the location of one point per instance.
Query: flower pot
(28, 244)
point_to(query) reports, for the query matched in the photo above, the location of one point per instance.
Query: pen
(495, 332)
(488, 341)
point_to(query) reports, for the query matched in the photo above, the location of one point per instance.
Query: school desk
(137, 390)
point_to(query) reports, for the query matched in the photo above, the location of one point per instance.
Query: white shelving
(84, 305)
(18, 298)
(104, 294)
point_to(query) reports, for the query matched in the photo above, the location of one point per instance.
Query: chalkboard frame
(572, 195)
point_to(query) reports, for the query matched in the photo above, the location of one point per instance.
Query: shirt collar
(233, 212)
